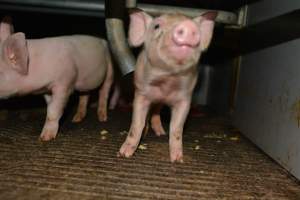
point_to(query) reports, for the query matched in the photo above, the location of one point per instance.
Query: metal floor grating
(81, 164)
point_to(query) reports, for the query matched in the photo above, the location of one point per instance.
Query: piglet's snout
(186, 34)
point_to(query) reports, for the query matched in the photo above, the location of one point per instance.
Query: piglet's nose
(186, 33)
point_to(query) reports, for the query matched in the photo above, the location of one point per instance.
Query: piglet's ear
(139, 23)
(6, 28)
(207, 23)
(16, 52)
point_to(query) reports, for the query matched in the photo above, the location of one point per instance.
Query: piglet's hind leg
(156, 121)
(104, 94)
(81, 109)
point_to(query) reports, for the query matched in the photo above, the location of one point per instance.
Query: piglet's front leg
(140, 109)
(179, 113)
(55, 107)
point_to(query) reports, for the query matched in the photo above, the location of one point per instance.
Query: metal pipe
(156, 10)
(116, 35)
(119, 45)
(130, 3)
(73, 4)
(52, 10)
(73, 7)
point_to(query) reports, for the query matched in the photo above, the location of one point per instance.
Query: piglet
(166, 72)
(55, 67)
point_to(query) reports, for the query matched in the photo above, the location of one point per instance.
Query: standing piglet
(166, 72)
(55, 67)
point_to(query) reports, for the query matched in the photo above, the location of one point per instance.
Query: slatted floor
(82, 164)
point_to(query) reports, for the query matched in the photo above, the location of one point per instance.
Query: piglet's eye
(156, 26)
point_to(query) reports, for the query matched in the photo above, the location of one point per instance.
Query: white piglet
(55, 67)
(166, 72)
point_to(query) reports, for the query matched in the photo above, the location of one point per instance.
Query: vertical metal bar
(242, 20)
(114, 13)
(130, 3)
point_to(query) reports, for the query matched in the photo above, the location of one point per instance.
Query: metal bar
(237, 62)
(130, 3)
(79, 5)
(119, 45)
(52, 10)
(116, 35)
(96, 6)
(94, 9)
(156, 10)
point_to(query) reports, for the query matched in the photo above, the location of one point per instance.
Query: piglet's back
(79, 56)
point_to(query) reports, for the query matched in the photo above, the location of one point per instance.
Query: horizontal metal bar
(96, 8)
(155, 10)
(52, 10)
(73, 4)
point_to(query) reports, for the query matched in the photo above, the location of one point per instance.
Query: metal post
(114, 12)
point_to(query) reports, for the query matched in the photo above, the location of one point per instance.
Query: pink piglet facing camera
(166, 72)
(55, 67)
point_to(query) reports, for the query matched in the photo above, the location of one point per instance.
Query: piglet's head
(172, 40)
(13, 58)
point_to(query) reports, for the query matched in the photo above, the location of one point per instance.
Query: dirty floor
(81, 163)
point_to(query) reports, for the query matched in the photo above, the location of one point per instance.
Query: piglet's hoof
(77, 118)
(126, 150)
(47, 136)
(176, 157)
(158, 129)
(102, 117)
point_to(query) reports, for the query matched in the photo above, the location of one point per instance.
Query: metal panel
(267, 9)
(268, 104)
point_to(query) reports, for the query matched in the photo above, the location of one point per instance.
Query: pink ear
(16, 52)
(207, 24)
(6, 28)
(139, 23)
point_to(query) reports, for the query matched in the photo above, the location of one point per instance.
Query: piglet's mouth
(182, 52)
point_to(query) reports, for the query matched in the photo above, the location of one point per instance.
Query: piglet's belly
(158, 95)
(87, 84)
